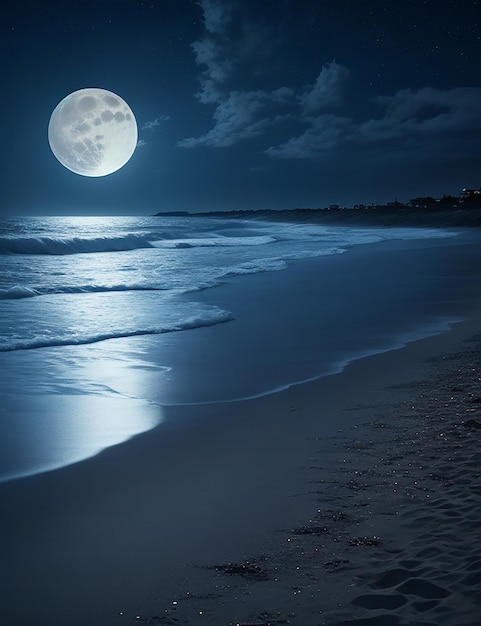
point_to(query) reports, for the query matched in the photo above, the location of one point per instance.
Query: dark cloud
(217, 15)
(156, 122)
(229, 43)
(328, 91)
(425, 112)
(408, 119)
(242, 115)
(324, 133)
(212, 51)
(310, 120)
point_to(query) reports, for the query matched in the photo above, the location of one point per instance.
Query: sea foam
(202, 319)
(18, 291)
(213, 242)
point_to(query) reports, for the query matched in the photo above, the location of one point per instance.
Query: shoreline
(95, 534)
(389, 544)
(331, 320)
(307, 329)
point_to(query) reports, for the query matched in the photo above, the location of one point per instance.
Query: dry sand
(396, 535)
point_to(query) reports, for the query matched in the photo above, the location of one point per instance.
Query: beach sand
(395, 537)
(379, 525)
(353, 498)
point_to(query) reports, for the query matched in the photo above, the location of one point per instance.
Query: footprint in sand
(423, 589)
(380, 601)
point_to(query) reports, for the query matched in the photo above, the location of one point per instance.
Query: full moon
(92, 132)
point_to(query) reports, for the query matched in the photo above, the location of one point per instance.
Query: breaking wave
(71, 245)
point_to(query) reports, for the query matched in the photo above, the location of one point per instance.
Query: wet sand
(209, 524)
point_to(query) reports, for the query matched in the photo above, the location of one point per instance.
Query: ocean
(105, 320)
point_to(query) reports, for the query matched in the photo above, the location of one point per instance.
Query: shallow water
(106, 320)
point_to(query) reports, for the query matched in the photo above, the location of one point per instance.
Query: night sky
(247, 104)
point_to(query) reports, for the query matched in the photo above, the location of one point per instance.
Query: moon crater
(92, 132)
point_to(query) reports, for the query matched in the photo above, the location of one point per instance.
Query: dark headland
(463, 210)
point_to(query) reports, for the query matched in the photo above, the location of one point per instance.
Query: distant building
(470, 194)
(422, 203)
(449, 200)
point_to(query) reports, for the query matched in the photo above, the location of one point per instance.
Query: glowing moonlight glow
(92, 132)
